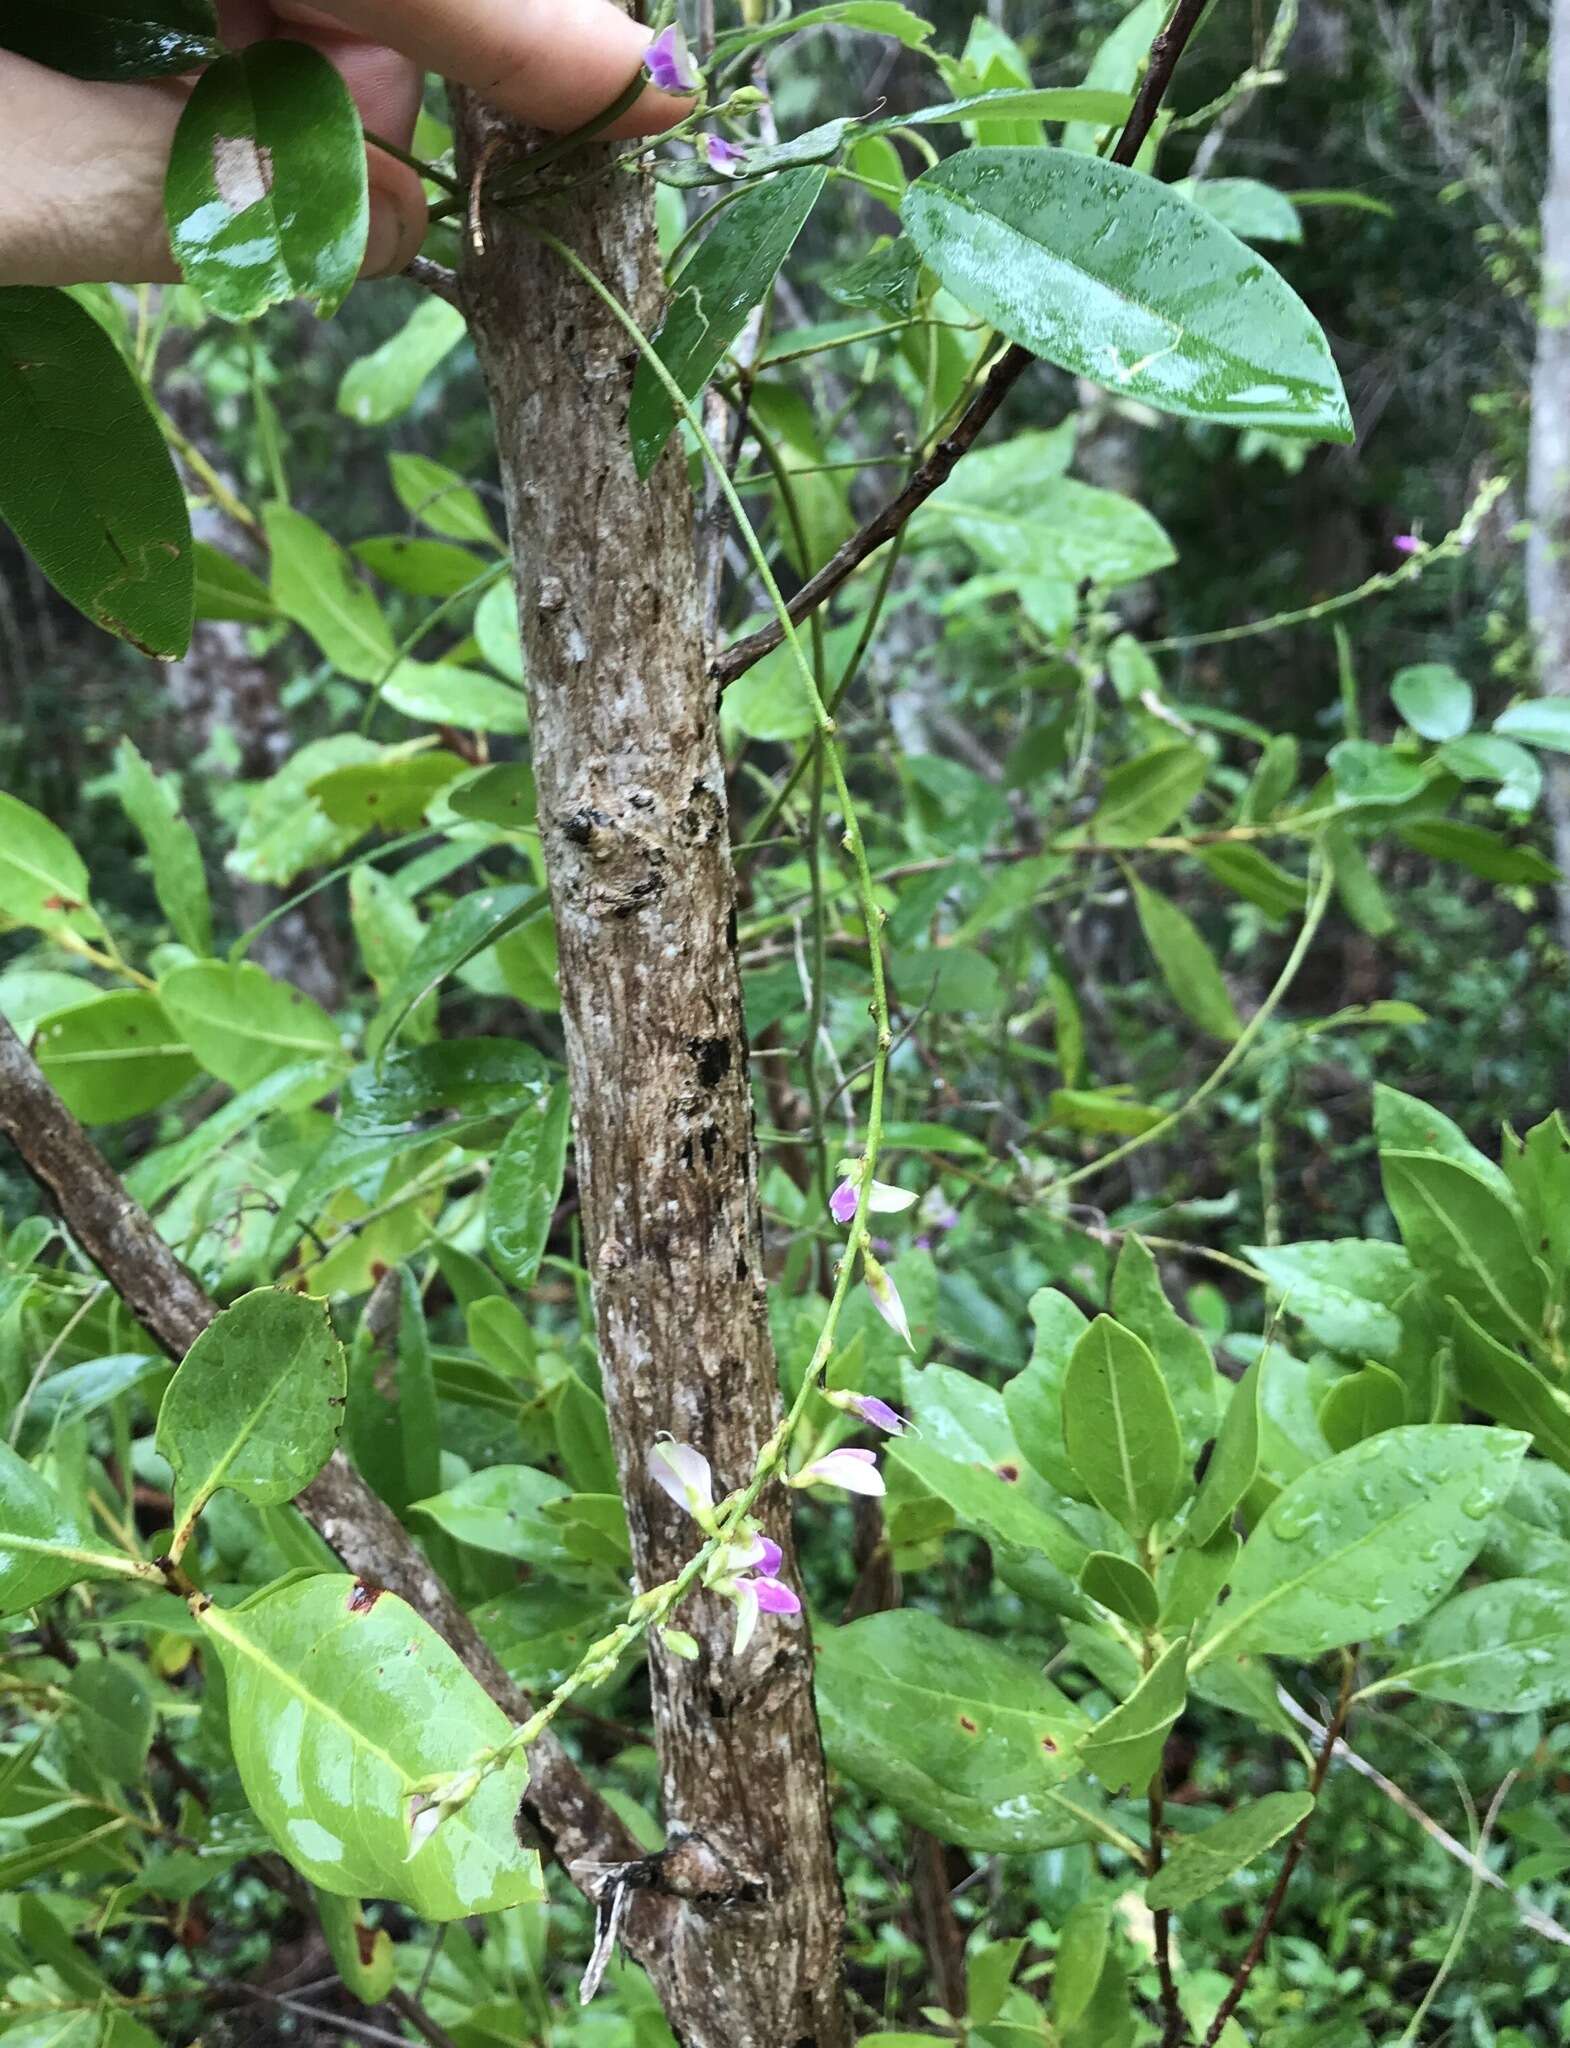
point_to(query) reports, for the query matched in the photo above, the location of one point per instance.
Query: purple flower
(842, 1203)
(857, 1471)
(774, 1596)
(884, 1200)
(885, 1299)
(683, 1473)
(937, 1211)
(725, 157)
(869, 1408)
(668, 62)
(1407, 544)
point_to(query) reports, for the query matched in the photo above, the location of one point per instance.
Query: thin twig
(435, 278)
(1289, 1862)
(1004, 375)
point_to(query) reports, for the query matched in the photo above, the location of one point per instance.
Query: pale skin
(82, 165)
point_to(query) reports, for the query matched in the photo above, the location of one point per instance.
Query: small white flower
(683, 1473)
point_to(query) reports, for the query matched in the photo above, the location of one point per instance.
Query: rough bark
(633, 823)
(123, 1242)
(1548, 475)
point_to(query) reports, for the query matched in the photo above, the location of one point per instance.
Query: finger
(82, 170)
(553, 63)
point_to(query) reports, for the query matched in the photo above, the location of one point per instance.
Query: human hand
(82, 165)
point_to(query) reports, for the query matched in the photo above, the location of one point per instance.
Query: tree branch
(1289, 1862)
(1006, 372)
(574, 1823)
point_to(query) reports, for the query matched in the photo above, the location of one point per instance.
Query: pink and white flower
(856, 1471)
(685, 1474)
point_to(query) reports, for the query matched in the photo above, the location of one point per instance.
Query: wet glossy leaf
(1119, 1427)
(456, 937)
(341, 1701)
(114, 1058)
(257, 1404)
(1254, 212)
(1367, 1542)
(1125, 1746)
(383, 385)
(1345, 1291)
(241, 1024)
(86, 481)
(179, 876)
(1116, 278)
(1197, 1864)
(1029, 103)
(1499, 1382)
(113, 39)
(1361, 1405)
(267, 195)
(713, 295)
(961, 1736)
(1499, 1649)
(525, 1187)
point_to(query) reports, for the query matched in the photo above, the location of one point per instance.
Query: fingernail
(394, 238)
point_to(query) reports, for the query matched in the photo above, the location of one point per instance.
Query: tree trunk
(633, 823)
(1548, 476)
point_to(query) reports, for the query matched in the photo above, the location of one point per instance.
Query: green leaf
(226, 589)
(383, 385)
(1467, 1240)
(1118, 62)
(425, 568)
(960, 1735)
(1119, 1428)
(1485, 757)
(1016, 513)
(267, 196)
(1479, 851)
(1254, 212)
(1499, 1649)
(1125, 1746)
(113, 39)
(1256, 878)
(1033, 1399)
(1368, 1541)
(1187, 964)
(257, 1404)
(43, 879)
(179, 878)
(1345, 1291)
(1143, 797)
(114, 1718)
(1191, 1580)
(876, 17)
(496, 630)
(500, 1509)
(1538, 722)
(713, 295)
(315, 585)
(1503, 1384)
(465, 930)
(341, 1702)
(1140, 1304)
(1016, 102)
(1197, 1864)
(1234, 1463)
(364, 1957)
(1118, 1583)
(440, 693)
(1361, 1405)
(86, 481)
(392, 794)
(1102, 1109)
(1434, 700)
(241, 1024)
(1082, 1951)
(525, 1188)
(115, 1058)
(1405, 1123)
(504, 795)
(1120, 280)
(440, 499)
(43, 1548)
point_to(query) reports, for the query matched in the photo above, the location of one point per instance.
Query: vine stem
(1289, 1862)
(652, 1608)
